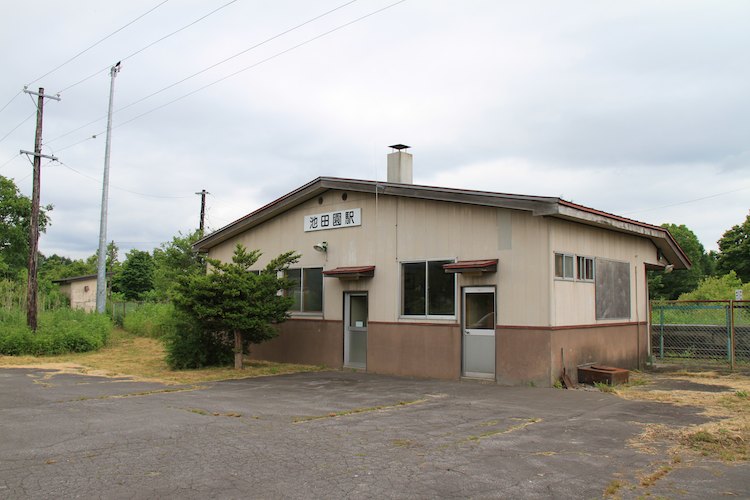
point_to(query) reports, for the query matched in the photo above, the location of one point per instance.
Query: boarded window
(612, 289)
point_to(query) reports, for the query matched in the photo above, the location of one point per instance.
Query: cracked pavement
(335, 435)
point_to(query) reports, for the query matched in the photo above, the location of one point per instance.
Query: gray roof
(536, 205)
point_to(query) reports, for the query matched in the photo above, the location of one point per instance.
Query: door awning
(350, 273)
(472, 266)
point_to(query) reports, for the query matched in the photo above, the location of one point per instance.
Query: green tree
(718, 288)
(136, 276)
(15, 218)
(231, 300)
(175, 259)
(672, 285)
(734, 251)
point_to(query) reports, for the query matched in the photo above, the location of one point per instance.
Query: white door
(355, 330)
(479, 332)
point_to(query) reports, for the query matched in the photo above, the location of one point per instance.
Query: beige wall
(401, 229)
(534, 309)
(82, 294)
(574, 302)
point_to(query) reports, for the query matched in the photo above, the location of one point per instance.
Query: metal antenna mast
(101, 270)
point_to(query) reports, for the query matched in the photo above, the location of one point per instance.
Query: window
(564, 266)
(585, 270)
(427, 290)
(307, 290)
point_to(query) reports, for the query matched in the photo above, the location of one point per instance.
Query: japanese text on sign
(334, 220)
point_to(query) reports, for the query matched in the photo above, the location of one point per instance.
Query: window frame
(402, 291)
(300, 288)
(572, 258)
(585, 258)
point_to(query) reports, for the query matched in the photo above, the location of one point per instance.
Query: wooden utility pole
(32, 287)
(203, 194)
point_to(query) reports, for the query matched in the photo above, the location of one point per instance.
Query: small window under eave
(350, 273)
(472, 266)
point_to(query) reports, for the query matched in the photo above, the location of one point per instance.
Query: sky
(636, 108)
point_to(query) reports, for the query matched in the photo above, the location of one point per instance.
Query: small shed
(81, 290)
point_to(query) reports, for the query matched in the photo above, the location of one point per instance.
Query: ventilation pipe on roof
(400, 165)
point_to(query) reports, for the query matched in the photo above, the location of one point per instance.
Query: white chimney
(400, 165)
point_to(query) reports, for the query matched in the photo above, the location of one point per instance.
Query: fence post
(731, 335)
(728, 322)
(661, 331)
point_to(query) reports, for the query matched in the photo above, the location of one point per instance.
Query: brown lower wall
(415, 350)
(524, 356)
(305, 341)
(616, 345)
(534, 356)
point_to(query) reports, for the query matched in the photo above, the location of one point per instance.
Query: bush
(189, 346)
(150, 320)
(60, 331)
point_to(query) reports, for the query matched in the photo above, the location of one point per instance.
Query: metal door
(479, 332)
(355, 330)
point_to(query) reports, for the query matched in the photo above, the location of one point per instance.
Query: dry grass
(143, 359)
(726, 436)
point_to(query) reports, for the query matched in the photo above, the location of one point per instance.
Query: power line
(11, 100)
(106, 68)
(289, 30)
(310, 40)
(97, 43)
(16, 127)
(687, 201)
(121, 188)
(10, 160)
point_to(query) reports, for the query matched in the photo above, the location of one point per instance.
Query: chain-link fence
(717, 331)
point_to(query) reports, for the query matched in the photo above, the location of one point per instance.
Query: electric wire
(693, 200)
(106, 68)
(16, 127)
(278, 54)
(10, 160)
(97, 43)
(287, 31)
(147, 195)
(11, 100)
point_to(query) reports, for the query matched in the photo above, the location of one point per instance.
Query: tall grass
(13, 297)
(155, 320)
(60, 331)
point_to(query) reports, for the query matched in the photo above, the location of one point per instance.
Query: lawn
(143, 359)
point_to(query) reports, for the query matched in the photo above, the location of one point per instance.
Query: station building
(423, 281)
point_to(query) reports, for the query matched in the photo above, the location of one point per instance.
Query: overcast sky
(641, 109)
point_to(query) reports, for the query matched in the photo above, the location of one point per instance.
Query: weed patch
(60, 331)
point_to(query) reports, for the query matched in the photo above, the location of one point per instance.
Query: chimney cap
(399, 147)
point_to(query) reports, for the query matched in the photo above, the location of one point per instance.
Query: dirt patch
(142, 359)
(724, 398)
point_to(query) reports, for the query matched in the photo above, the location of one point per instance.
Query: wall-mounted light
(668, 268)
(321, 247)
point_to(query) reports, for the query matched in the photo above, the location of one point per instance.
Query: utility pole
(32, 285)
(203, 194)
(101, 268)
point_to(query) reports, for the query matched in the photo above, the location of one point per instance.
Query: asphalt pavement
(337, 435)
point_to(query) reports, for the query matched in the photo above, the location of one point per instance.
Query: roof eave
(659, 236)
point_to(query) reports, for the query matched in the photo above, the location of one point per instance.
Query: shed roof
(536, 205)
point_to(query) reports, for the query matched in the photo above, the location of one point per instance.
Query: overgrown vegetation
(155, 320)
(60, 331)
